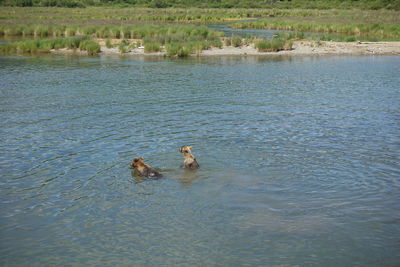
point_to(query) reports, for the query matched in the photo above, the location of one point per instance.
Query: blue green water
(299, 161)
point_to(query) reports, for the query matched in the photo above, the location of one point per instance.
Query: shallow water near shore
(299, 161)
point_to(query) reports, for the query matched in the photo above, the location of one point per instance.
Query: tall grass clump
(8, 49)
(177, 50)
(365, 30)
(215, 42)
(236, 41)
(71, 31)
(109, 44)
(273, 45)
(74, 42)
(46, 45)
(124, 46)
(151, 47)
(90, 46)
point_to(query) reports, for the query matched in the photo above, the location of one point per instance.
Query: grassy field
(10, 16)
(281, 4)
(182, 31)
(45, 45)
(381, 25)
(118, 22)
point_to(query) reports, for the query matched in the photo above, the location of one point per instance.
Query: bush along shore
(171, 46)
(315, 4)
(342, 31)
(83, 43)
(170, 39)
(177, 40)
(92, 32)
(282, 44)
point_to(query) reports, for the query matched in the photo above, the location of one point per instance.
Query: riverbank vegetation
(282, 4)
(177, 40)
(358, 31)
(139, 22)
(129, 22)
(179, 32)
(46, 45)
(15, 17)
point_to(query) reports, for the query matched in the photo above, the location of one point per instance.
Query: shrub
(152, 47)
(89, 30)
(216, 43)
(70, 31)
(109, 44)
(28, 46)
(273, 45)
(350, 39)
(263, 46)
(123, 46)
(8, 48)
(74, 42)
(43, 31)
(90, 46)
(177, 50)
(236, 41)
(45, 45)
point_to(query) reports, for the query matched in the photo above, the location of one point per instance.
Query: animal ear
(141, 158)
(190, 147)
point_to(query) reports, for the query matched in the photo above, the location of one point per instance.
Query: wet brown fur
(143, 169)
(190, 161)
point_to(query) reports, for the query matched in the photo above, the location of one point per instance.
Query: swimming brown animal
(190, 161)
(143, 169)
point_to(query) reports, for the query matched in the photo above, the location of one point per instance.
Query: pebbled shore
(305, 47)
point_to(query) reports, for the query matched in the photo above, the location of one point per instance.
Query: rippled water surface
(299, 161)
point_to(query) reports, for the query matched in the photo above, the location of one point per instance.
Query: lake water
(261, 33)
(299, 161)
(229, 32)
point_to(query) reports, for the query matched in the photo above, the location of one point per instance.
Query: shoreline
(304, 48)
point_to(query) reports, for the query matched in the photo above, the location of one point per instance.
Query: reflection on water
(229, 32)
(299, 161)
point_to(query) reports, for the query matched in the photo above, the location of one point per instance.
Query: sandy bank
(350, 48)
(317, 48)
(299, 48)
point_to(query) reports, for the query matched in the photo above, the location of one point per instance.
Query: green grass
(178, 50)
(155, 37)
(90, 46)
(236, 41)
(46, 45)
(273, 45)
(94, 17)
(174, 31)
(109, 44)
(138, 23)
(151, 47)
(314, 4)
(124, 46)
(363, 30)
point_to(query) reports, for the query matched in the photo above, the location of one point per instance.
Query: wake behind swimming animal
(144, 169)
(190, 161)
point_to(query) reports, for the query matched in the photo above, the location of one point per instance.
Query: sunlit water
(228, 31)
(299, 161)
(261, 33)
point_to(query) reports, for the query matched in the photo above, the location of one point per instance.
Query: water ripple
(298, 157)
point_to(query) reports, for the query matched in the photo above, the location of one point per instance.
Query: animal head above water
(185, 149)
(137, 162)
